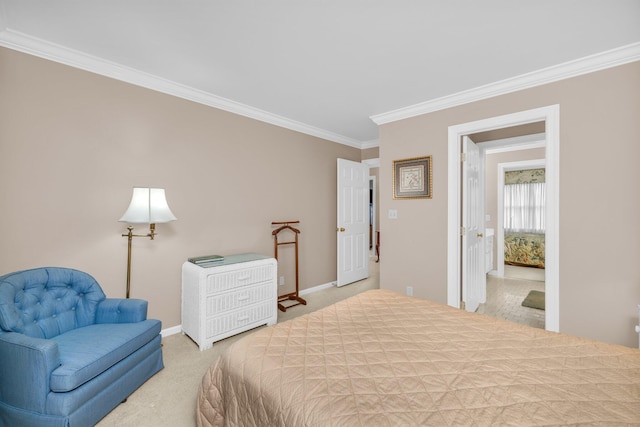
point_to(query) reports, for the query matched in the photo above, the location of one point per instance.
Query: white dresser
(234, 295)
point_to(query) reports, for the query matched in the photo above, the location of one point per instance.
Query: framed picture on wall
(412, 178)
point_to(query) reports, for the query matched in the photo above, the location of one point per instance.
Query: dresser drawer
(221, 282)
(219, 303)
(239, 318)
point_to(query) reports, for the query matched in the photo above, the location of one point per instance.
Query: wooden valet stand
(293, 296)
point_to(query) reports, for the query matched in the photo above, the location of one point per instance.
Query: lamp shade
(148, 206)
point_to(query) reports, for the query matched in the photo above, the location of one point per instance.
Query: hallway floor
(505, 296)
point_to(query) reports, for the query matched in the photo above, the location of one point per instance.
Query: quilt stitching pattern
(383, 359)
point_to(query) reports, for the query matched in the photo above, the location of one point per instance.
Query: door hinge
(463, 231)
(463, 306)
(463, 157)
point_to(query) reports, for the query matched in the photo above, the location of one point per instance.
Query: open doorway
(374, 215)
(550, 117)
(515, 231)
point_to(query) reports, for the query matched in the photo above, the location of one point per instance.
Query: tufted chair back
(45, 302)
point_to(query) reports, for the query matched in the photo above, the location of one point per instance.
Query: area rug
(535, 299)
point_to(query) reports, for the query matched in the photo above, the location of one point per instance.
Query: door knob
(341, 229)
(479, 235)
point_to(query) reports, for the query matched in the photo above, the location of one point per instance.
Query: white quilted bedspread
(383, 359)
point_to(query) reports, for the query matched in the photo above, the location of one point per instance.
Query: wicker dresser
(232, 296)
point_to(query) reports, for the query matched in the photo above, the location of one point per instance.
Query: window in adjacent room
(524, 201)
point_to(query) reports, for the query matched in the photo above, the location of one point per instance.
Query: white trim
(171, 331)
(372, 163)
(516, 143)
(373, 143)
(41, 48)
(317, 288)
(502, 168)
(522, 165)
(454, 205)
(551, 116)
(600, 61)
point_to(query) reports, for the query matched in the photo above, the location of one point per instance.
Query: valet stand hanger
(293, 296)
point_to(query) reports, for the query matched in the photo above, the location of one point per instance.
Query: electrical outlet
(393, 214)
(410, 291)
(281, 281)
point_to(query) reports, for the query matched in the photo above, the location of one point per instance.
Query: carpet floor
(169, 397)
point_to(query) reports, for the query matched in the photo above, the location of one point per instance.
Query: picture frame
(413, 178)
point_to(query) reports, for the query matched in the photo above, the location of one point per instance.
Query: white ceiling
(321, 67)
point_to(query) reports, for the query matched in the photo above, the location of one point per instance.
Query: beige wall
(491, 183)
(599, 199)
(73, 144)
(370, 153)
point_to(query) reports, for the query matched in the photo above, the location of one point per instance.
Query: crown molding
(41, 48)
(37, 47)
(373, 143)
(600, 61)
(372, 163)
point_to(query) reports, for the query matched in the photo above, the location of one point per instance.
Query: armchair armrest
(120, 310)
(26, 364)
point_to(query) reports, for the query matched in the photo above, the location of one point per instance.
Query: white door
(473, 276)
(353, 222)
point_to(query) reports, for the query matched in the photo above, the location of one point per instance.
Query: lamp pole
(130, 236)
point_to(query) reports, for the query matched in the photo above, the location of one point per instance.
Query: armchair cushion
(89, 351)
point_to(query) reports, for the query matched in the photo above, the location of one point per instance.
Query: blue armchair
(68, 354)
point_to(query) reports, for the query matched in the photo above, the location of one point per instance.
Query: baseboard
(171, 331)
(317, 288)
(178, 328)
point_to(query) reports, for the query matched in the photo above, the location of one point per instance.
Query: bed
(383, 359)
(524, 249)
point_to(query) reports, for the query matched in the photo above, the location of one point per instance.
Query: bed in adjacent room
(383, 359)
(524, 249)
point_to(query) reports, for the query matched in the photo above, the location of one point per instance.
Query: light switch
(393, 214)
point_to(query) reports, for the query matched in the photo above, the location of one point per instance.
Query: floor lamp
(148, 206)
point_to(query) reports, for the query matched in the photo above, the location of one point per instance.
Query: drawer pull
(244, 278)
(243, 318)
(243, 298)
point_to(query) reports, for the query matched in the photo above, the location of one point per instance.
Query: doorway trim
(551, 116)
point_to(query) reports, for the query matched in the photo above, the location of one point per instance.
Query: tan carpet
(169, 398)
